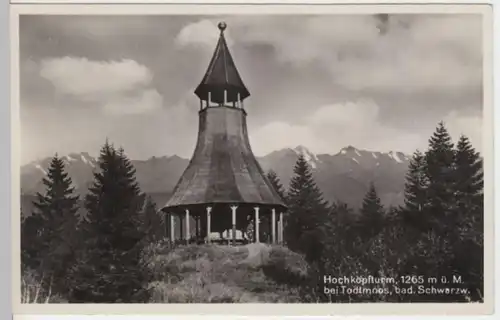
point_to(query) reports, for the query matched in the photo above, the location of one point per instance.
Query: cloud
(202, 34)
(277, 135)
(145, 101)
(119, 87)
(85, 78)
(332, 127)
(399, 52)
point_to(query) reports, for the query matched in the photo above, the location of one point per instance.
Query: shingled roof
(221, 75)
(223, 168)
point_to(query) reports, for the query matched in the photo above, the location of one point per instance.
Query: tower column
(257, 222)
(273, 226)
(197, 225)
(209, 98)
(233, 214)
(238, 102)
(225, 97)
(188, 231)
(172, 226)
(181, 227)
(281, 228)
(209, 209)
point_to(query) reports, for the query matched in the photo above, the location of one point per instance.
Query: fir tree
(153, 222)
(56, 211)
(340, 236)
(31, 241)
(276, 183)
(469, 179)
(265, 220)
(307, 211)
(441, 248)
(369, 246)
(109, 268)
(341, 224)
(469, 249)
(434, 250)
(415, 202)
(440, 173)
(372, 213)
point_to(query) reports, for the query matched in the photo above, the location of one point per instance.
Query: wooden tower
(223, 188)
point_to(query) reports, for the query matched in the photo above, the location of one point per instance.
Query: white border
(252, 2)
(255, 309)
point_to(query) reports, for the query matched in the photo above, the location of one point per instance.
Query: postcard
(258, 159)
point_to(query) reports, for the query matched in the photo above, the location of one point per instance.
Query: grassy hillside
(225, 274)
(255, 273)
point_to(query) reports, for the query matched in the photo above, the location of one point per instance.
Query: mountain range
(344, 176)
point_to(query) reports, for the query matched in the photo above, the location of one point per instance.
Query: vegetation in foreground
(225, 274)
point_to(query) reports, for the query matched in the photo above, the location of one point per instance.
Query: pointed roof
(221, 75)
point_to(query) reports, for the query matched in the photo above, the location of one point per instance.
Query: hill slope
(220, 274)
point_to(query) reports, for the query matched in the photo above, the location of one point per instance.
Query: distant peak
(77, 157)
(396, 156)
(350, 150)
(164, 157)
(39, 167)
(301, 148)
(310, 157)
(70, 157)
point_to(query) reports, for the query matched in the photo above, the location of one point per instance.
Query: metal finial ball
(222, 26)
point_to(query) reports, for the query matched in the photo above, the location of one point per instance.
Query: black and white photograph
(253, 158)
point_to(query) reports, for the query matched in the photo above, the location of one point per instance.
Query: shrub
(285, 266)
(33, 289)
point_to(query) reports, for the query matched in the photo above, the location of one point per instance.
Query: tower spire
(222, 83)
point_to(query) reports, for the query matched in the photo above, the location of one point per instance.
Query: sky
(376, 82)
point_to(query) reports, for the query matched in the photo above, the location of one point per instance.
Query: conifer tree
(276, 183)
(340, 237)
(307, 212)
(265, 225)
(153, 223)
(434, 250)
(439, 248)
(469, 249)
(416, 202)
(372, 213)
(55, 214)
(341, 224)
(109, 266)
(369, 246)
(31, 241)
(469, 181)
(440, 172)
